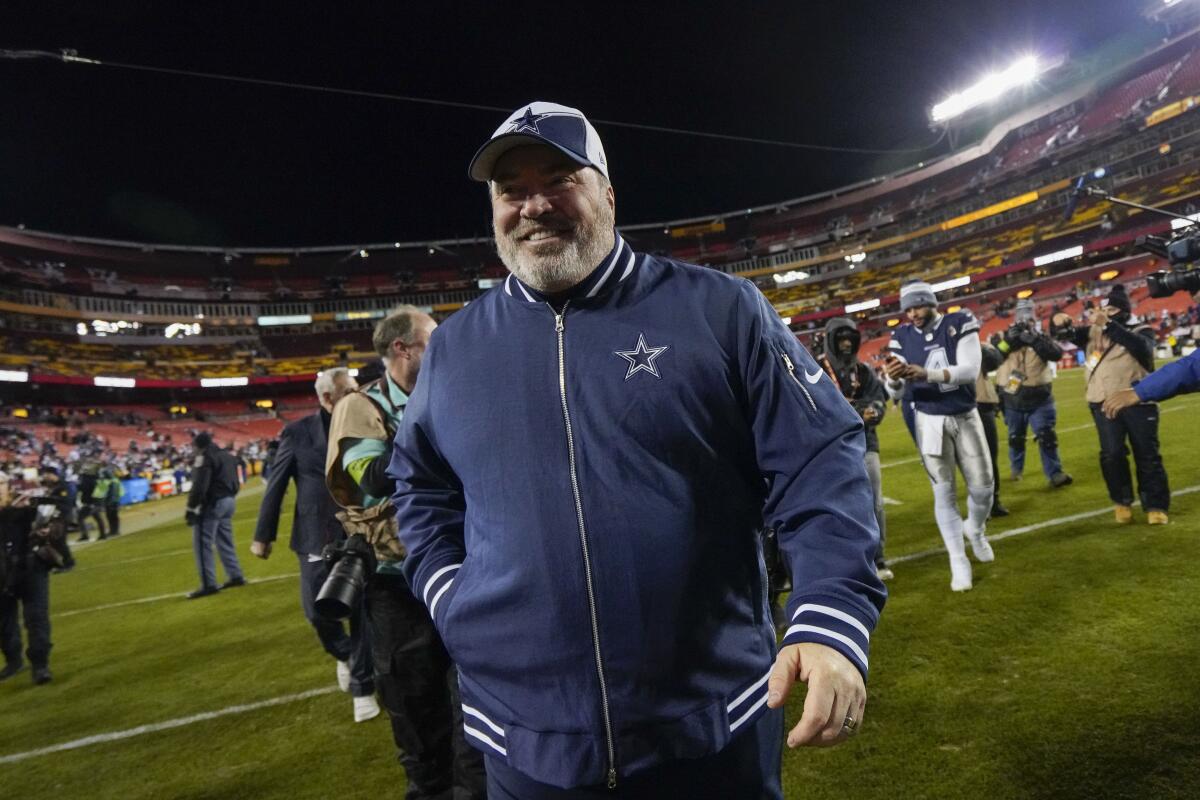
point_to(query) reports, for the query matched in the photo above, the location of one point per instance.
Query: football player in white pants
(939, 355)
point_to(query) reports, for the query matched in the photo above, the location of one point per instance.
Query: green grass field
(1071, 670)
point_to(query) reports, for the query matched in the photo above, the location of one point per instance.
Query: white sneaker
(960, 574)
(343, 676)
(980, 547)
(885, 573)
(365, 708)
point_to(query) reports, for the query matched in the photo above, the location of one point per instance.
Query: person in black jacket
(301, 457)
(1025, 380)
(24, 587)
(867, 395)
(210, 513)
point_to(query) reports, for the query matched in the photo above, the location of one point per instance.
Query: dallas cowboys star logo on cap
(528, 121)
(642, 357)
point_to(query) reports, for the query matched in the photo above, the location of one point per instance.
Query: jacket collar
(614, 269)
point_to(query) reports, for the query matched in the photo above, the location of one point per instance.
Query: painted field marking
(159, 597)
(141, 730)
(167, 554)
(1036, 526)
(1182, 406)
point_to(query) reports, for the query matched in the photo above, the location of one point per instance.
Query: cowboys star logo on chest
(642, 358)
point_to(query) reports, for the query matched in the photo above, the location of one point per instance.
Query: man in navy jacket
(583, 472)
(301, 457)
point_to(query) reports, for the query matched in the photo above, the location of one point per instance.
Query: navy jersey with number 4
(935, 350)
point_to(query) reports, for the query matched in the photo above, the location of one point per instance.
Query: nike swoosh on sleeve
(812, 377)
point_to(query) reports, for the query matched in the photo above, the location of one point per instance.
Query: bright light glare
(952, 283)
(790, 277)
(1058, 255)
(854, 308)
(989, 88)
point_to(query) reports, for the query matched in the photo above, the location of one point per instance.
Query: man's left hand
(835, 691)
(1120, 401)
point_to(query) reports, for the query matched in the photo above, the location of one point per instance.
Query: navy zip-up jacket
(581, 492)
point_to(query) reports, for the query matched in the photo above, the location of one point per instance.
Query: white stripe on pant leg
(129, 733)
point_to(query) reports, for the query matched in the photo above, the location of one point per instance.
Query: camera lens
(342, 588)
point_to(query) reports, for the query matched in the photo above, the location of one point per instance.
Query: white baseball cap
(565, 129)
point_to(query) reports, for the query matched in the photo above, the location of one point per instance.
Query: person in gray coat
(301, 458)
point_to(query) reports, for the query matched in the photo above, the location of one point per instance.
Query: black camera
(1183, 249)
(351, 564)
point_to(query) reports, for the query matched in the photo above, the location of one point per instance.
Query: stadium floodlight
(1058, 255)
(14, 375)
(953, 283)
(792, 276)
(217, 383)
(116, 383)
(991, 86)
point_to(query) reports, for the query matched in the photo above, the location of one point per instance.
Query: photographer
(26, 557)
(1119, 354)
(1024, 379)
(866, 394)
(988, 403)
(301, 458)
(413, 673)
(1175, 378)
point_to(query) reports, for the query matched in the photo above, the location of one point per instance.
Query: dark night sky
(121, 154)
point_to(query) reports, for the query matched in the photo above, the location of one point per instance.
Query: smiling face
(920, 315)
(553, 219)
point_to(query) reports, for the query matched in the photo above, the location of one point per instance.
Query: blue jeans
(1042, 419)
(216, 527)
(355, 648)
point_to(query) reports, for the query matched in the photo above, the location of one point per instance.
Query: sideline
(142, 518)
(1036, 526)
(158, 597)
(1183, 406)
(179, 722)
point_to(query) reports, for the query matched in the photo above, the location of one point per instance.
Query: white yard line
(158, 597)
(167, 554)
(129, 733)
(1087, 426)
(1037, 526)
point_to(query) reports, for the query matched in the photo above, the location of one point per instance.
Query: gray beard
(567, 265)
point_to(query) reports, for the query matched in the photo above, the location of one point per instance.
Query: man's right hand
(261, 549)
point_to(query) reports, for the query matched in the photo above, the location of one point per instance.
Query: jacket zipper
(791, 368)
(587, 560)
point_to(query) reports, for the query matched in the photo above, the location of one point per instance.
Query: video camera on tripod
(1180, 250)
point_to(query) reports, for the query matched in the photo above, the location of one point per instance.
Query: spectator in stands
(1025, 379)
(301, 458)
(414, 675)
(210, 508)
(867, 396)
(1119, 354)
(24, 586)
(988, 403)
(940, 357)
(597, 443)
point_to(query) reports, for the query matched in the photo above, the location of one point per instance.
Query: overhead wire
(72, 57)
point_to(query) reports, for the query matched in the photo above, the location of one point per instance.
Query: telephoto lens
(342, 588)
